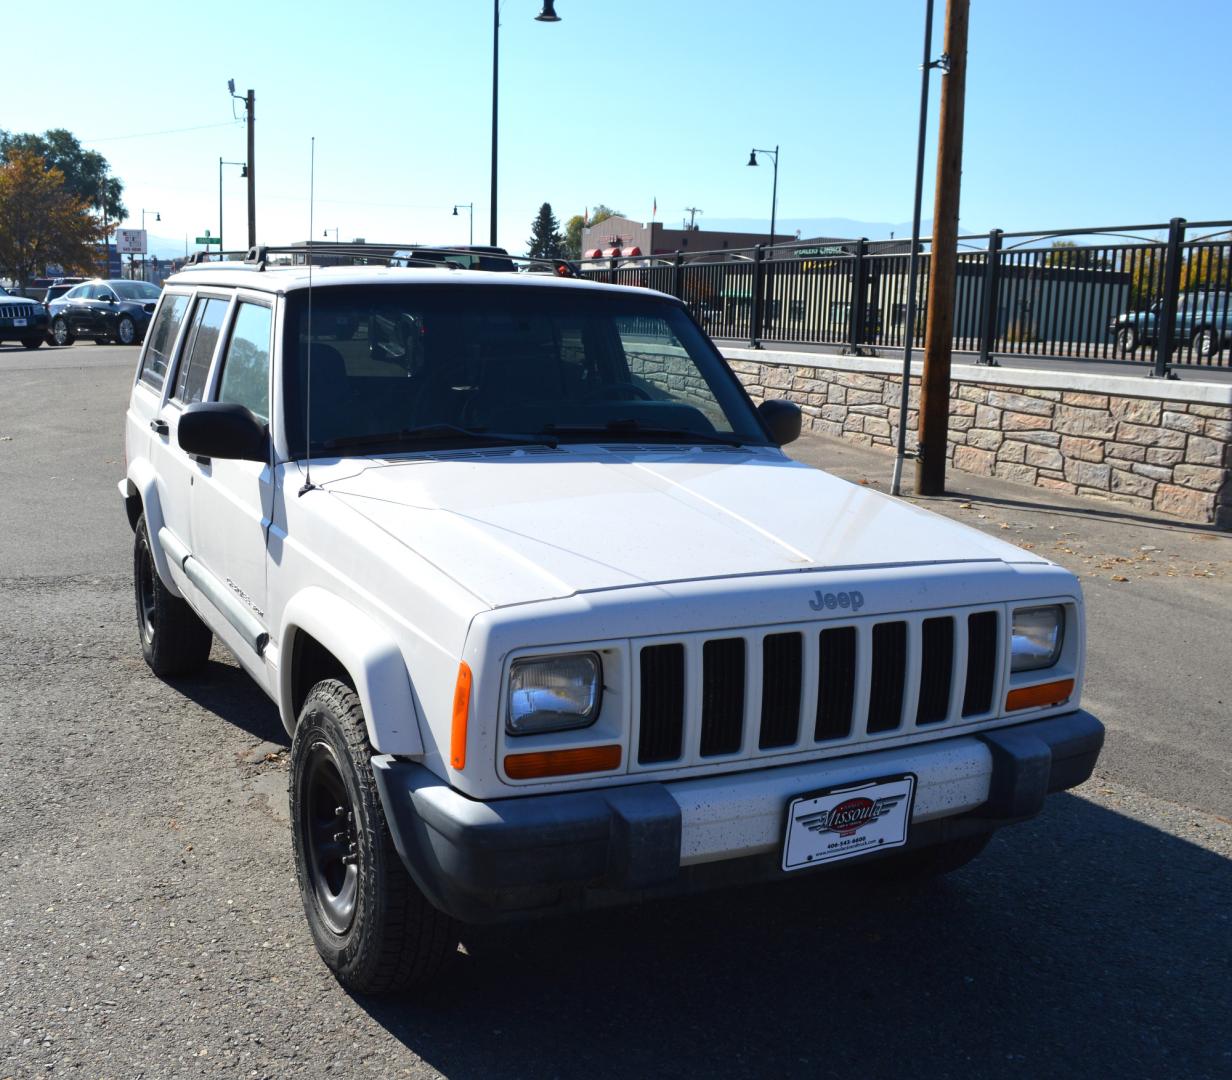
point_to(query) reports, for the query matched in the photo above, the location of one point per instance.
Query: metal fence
(1084, 293)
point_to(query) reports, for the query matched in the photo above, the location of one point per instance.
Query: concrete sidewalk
(1158, 592)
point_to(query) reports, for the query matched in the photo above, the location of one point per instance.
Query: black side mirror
(782, 420)
(218, 429)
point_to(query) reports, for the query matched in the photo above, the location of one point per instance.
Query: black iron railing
(1158, 294)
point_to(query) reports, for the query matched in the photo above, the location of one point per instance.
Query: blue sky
(1074, 114)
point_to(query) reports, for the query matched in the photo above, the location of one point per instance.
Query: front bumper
(511, 858)
(36, 326)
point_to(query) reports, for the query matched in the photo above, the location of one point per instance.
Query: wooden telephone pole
(943, 272)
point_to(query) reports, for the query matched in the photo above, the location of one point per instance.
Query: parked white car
(552, 620)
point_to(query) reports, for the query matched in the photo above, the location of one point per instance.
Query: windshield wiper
(435, 433)
(623, 428)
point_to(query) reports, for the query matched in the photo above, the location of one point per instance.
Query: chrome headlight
(554, 693)
(1039, 633)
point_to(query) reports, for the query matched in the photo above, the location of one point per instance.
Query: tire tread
(414, 941)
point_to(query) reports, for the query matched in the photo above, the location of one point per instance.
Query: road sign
(130, 241)
(207, 239)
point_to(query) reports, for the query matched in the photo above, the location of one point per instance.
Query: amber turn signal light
(461, 713)
(1032, 697)
(562, 762)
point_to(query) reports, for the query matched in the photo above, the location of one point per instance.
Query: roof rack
(262, 256)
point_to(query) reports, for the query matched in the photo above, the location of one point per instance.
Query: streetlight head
(231, 86)
(157, 216)
(548, 14)
(752, 157)
(243, 171)
(455, 211)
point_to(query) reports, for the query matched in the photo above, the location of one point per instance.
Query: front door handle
(159, 427)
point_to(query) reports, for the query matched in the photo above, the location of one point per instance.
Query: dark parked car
(106, 311)
(22, 319)
(467, 256)
(54, 291)
(1203, 319)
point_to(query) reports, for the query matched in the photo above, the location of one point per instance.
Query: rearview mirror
(222, 429)
(782, 420)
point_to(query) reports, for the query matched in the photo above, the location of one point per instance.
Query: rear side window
(207, 320)
(162, 340)
(245, 372)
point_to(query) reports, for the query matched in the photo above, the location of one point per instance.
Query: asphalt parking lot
(150, 925)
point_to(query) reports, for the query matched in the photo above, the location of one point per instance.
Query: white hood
(519, 525)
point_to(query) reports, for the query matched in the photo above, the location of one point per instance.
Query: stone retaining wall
(1145, 444)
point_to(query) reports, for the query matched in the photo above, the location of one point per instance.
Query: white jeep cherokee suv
(552, 620)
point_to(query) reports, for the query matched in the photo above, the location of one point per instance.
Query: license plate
(841, 823)
(19, 322)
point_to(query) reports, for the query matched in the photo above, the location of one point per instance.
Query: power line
(168, 131)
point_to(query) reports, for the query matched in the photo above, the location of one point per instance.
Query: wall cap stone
(1183, 389)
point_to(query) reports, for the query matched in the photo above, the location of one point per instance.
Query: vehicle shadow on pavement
(226, 690)
(1084, 943)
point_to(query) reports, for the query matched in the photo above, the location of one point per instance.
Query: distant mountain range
(836, 228)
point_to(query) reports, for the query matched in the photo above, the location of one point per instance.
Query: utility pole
(251, 102)
(939, 336)
(495, 112)
(693, 211)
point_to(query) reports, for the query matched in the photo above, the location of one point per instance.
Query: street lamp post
(470, 210)
(547, 15)
(243, 172)
(774, 205)
(325, 234)
(774, 191)
(146, 254)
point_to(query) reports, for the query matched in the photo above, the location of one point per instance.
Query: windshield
(134, 290)
(448, 364)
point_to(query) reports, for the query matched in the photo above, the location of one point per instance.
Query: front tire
(1127, 340)
(174, 641)
(1206, 343)
(373, 928)
(33, 343)
(126, 331)
(61, 332)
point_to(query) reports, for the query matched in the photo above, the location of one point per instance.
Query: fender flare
(141, 482)
(371, 657)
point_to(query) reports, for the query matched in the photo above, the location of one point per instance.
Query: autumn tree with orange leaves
(41, 223)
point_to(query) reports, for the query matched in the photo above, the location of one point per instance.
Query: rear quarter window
(162, 338)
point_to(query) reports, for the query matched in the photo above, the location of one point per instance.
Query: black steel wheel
(329, 837)
(174, 641)
(126, 331)
(372, 926)
(60, 331)
(1127, 340)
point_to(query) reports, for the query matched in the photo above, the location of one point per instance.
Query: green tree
(84, 171)
(545, 240)
(1067, 253)
(41, 222)
(1207, 268)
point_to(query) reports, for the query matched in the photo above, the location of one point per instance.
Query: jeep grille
(757, 692)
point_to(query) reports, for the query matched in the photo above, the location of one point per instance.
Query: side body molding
(140, 481)
(371, 657)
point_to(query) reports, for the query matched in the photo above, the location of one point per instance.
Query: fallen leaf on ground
(1119, 577)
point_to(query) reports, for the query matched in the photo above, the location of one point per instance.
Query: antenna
(312, 179)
